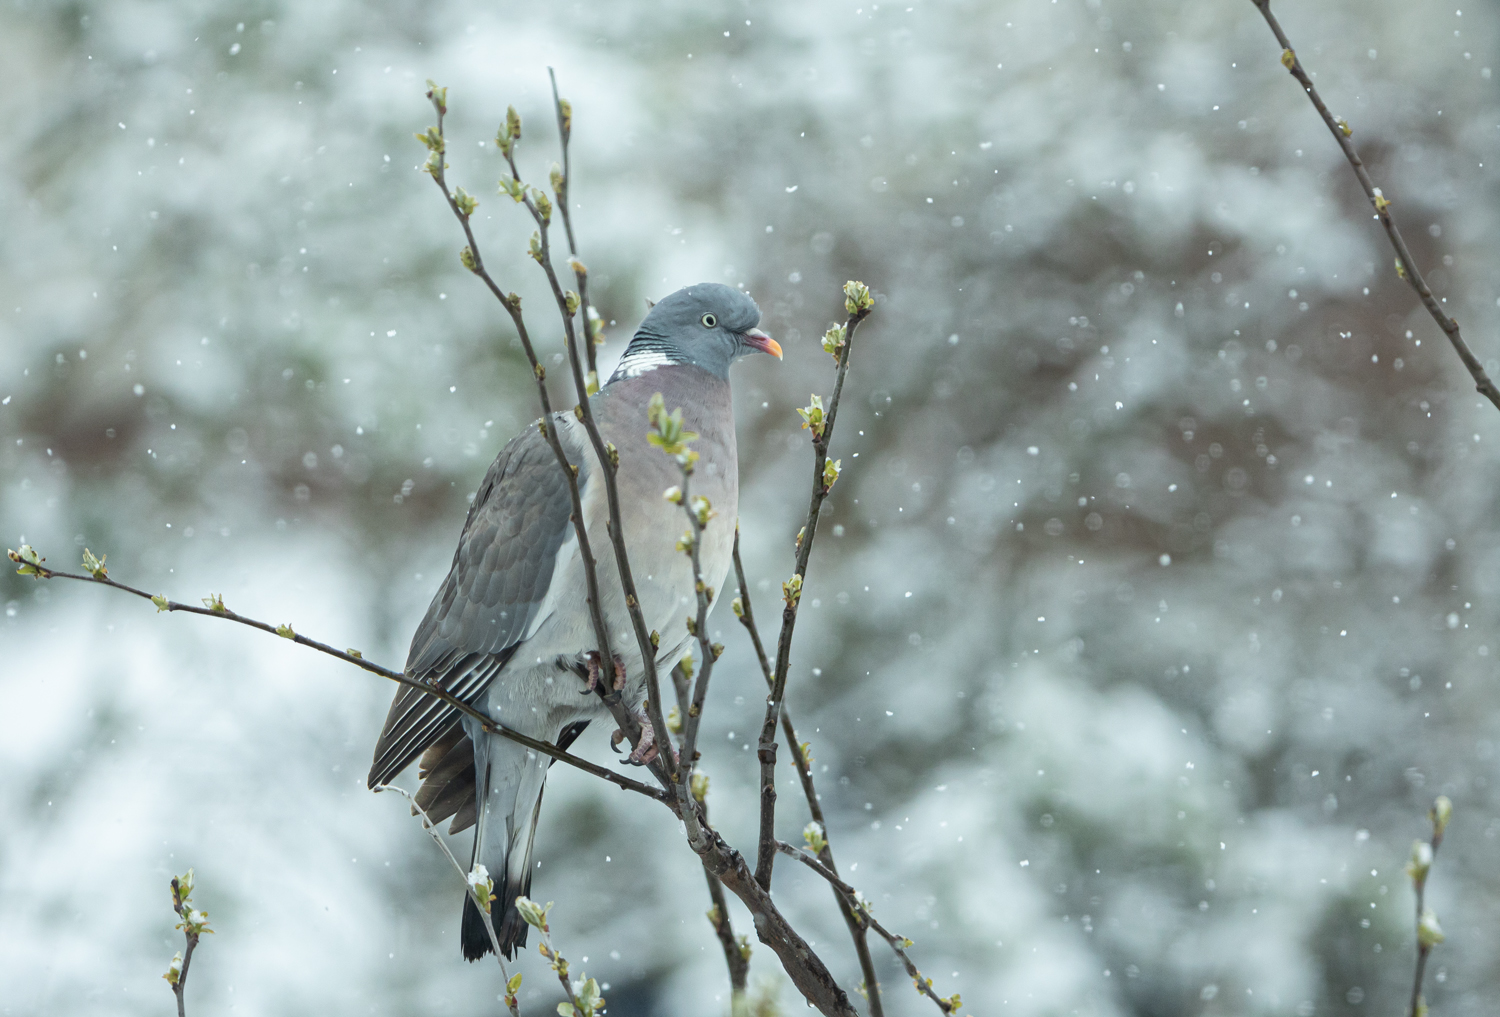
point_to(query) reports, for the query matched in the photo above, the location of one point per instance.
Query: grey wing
(492, 595)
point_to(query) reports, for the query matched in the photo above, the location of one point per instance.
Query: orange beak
(756, 339)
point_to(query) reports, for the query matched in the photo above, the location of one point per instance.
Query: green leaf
(286, 632)
(161, 603)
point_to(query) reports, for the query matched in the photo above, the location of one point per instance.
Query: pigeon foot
(591, 661)
(646, 750)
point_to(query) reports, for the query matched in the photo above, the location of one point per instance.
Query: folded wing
(485, 608)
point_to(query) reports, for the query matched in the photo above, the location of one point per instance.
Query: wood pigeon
(509, 630)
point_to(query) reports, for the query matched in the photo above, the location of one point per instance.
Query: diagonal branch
(218, 610)
(482, 903)
(1406, 265)
(861, 908)
(857, 930)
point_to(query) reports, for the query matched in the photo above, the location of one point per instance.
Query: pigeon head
(709, 325)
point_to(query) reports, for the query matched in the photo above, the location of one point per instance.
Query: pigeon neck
(646, 353)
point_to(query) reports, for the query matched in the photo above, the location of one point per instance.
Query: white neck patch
(633, 365)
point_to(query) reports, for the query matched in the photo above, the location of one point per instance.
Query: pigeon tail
(510, 928)
(515, 777)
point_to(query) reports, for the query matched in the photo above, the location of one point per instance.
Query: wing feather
(490, 599)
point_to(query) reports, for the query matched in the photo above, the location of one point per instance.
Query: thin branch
(194, 924)
(563, 188)
(736, 954)
(862, 909)
(1406, 265)
(858, 932)
(1429, 933)
(469, 888)
(473, 261)
(606, 457)
(355, 658)
(820, 421)
(708, 652)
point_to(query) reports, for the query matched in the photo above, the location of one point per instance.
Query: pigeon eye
(709, 321)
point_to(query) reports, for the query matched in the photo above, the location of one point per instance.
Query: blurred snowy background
(1162, 595)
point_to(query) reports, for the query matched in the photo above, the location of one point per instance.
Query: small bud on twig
(813, 834)
(831, 473)
(1288, 59)
(812, 416)
(857, 299)
(698, 784)
(482, 886)
(94, 566)
(1421, 860)
(1429, 933)
(533, 914)
(791, 590)
(834, 339)
(285, 632)
(214, 602)
(162, 604)
(465, 201)
(543, 205)
(674, 720)
(28, 559)
(1440, 813)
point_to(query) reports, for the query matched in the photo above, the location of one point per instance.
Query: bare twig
(562, 187)
(820, 421)
(736, 951)
(698, 512)
(605, 454)
(462, 206)
(218, 610)
(478, 890)
(1429, 933)
(583, 998)
(861, 908)
(194, 924)
(858, 932)
(1406, 265)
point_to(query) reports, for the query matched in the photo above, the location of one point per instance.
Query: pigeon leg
(591, 661)
(619, 674)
